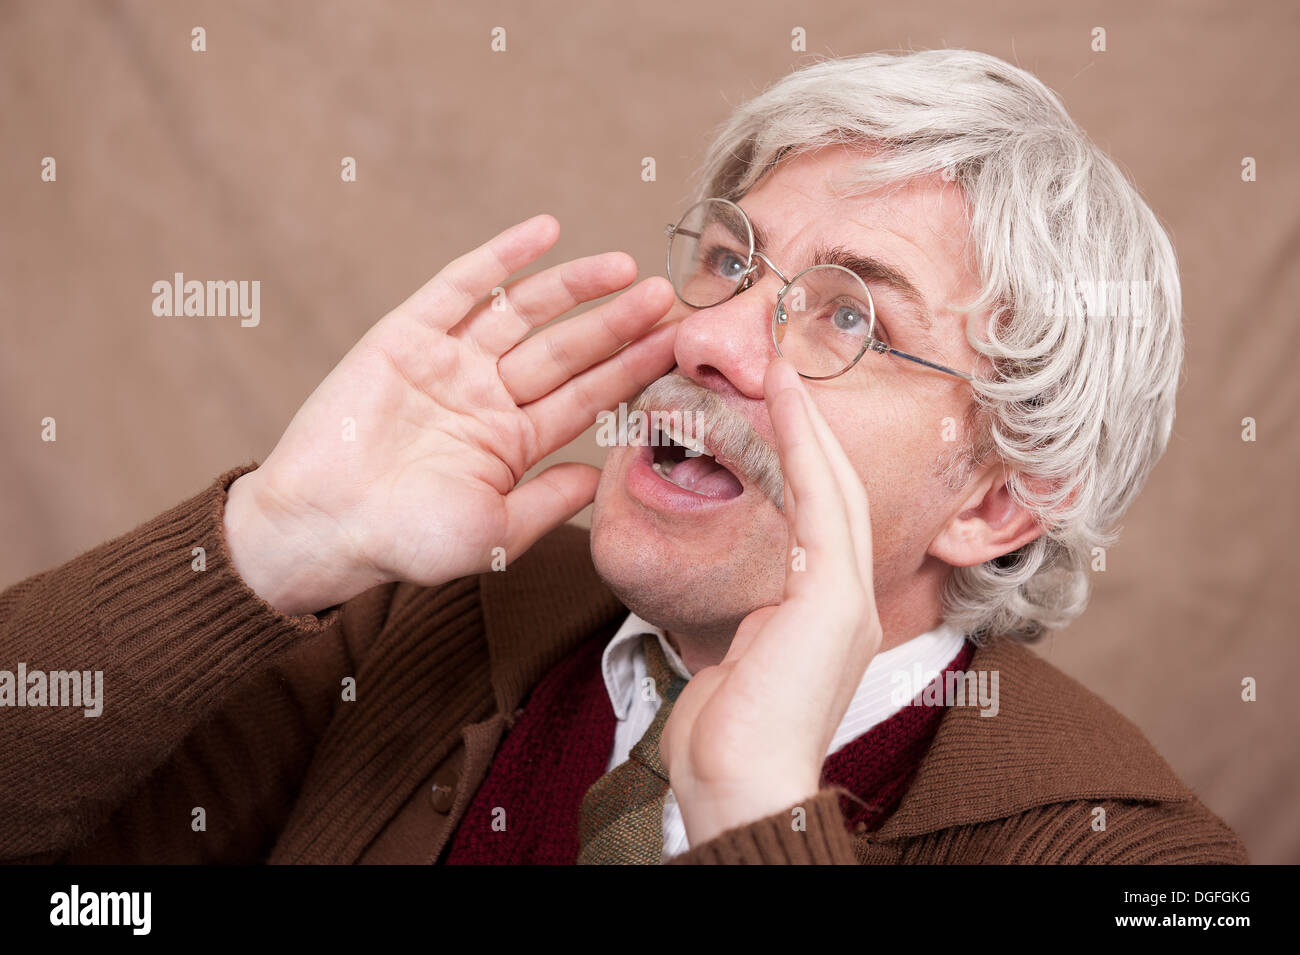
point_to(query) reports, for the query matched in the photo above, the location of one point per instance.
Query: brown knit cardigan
(226, 736)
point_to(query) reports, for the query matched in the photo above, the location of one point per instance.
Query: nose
(730, 345)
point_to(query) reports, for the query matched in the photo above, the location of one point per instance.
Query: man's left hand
(746, 738)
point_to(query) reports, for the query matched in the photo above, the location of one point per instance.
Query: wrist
(280, 557)
(709, 812)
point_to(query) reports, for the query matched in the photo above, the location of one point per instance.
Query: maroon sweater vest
(561, 743)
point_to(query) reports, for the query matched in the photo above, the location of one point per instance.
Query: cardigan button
(860, 828)
(443, 793)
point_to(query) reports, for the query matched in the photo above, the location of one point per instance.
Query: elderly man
(893, 423)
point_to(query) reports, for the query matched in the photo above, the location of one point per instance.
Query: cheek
(607, 474)
(883, 450)
(895, 455)
(608, 487)
(612, 471)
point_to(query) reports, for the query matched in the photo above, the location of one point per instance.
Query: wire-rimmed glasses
(824, 320)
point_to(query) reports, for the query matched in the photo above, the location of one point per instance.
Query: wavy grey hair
(1084, 341)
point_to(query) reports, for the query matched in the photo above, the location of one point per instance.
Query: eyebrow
(874, 272)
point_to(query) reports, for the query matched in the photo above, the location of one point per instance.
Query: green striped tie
(621, 820)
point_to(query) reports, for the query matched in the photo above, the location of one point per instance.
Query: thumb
(545, 502)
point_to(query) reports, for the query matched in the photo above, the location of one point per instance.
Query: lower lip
(645, 484)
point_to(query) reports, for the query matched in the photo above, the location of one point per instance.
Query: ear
(987, 524)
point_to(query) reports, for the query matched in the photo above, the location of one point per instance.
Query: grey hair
(1077, 396)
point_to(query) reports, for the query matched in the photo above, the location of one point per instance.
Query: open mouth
(695, 470)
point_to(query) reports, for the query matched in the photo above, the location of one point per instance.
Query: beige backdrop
(225, 164)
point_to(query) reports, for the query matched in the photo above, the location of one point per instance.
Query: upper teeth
(693, 447)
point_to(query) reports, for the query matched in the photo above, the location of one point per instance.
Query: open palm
(403, 463)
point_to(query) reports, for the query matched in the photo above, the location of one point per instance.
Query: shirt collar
(876, 699)
(617, 662)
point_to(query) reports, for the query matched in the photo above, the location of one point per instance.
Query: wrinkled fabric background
(225, 165)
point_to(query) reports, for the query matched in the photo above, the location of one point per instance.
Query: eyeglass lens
(823, 320)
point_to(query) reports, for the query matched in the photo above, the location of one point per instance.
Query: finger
(792, 549)
(534, 300)
(540, 364)
(852, 572)
(546, 501)
(851, 486)
(821, 520)
(572, 408)
(446, 298)
(791, 511)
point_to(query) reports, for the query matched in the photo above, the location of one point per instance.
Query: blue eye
(726, 263)
(848, 318)
(854, 318)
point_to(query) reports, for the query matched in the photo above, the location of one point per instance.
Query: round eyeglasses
(824, 320)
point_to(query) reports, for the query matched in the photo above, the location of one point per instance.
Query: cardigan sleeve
(159, 631)
(816, 836)
(1107, 831)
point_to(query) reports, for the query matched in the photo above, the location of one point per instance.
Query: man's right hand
(403, 463)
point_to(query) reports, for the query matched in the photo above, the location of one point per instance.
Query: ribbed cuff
(185, 634)
(777, 839)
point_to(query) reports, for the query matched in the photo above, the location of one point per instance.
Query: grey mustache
(727, 433)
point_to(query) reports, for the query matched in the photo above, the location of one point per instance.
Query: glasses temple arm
(887, 350)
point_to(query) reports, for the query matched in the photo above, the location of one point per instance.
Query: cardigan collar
(1051, 741)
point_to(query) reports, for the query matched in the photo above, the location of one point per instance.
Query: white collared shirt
(876, 699)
